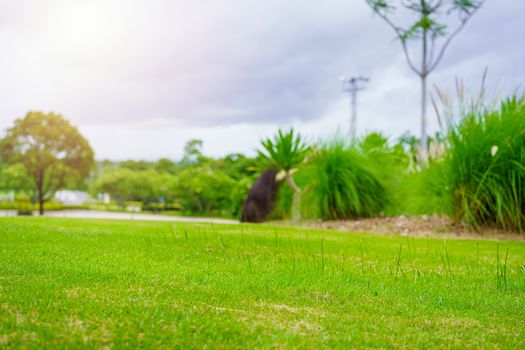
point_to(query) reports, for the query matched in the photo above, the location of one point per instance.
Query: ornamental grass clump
(347, 183)
(487, 167)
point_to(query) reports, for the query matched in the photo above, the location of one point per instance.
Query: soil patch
(435, 226)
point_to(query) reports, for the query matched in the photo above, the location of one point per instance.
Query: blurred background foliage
(475, 174)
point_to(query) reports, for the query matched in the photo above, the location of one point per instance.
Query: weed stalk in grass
(362, 257)
(448, 260)
(398, 264)
(249, 263)
(501, 270)
(322, 253)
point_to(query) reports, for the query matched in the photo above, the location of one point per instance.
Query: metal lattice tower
(351, 86)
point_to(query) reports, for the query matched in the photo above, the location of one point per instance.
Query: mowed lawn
(68, 283)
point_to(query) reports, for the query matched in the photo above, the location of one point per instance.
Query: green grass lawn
(84, 283)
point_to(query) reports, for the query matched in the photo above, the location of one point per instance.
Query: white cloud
(142, 77)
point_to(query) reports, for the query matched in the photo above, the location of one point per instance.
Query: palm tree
(286, 151)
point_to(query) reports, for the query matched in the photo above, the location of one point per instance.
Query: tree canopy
(52, 151)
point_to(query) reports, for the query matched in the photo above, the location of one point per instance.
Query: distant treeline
(194, 185)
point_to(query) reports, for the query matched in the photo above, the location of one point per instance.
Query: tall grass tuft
(347, 183)
(486, 167)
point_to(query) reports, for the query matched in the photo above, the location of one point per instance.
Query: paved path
(96, 214)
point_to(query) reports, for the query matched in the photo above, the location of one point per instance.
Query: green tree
(52, 151)
(193, 152)
(165, 165)
(124, 184)
(427, 31)
(238, 166)
(286, 151)
(135, 164)
(205, 190)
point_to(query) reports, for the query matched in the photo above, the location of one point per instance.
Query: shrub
(146, 186)
(487, 167)
(423, 192)
(286, 152)
(26, 205)
(205, 190)
(347, 183)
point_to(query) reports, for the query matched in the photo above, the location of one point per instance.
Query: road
(96, 214)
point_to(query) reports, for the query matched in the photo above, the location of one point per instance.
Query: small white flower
(494, 150)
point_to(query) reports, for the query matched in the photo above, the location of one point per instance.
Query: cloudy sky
(140, 78)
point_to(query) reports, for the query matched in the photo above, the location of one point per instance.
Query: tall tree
(286, 151)
(427, 31)
(192, 152)
(52, 151)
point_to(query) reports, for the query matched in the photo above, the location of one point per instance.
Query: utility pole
(352, 86)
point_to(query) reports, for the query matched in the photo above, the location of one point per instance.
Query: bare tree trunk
(200, 206)
(423, 76)
(296, 203)
(424, 139)
(40, 201)
(40, 191)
